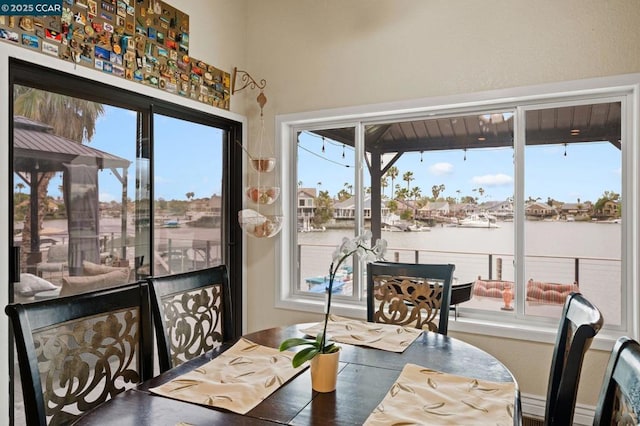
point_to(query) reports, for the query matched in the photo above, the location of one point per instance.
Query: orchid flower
(358, 246)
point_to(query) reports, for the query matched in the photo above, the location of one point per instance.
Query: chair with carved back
(411, 294)
(619, 400)
(192, 314)
(579, 324)
(76, 352)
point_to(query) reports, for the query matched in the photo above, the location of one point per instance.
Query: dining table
(365, 377)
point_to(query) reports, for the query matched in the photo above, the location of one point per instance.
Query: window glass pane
(188, 195)
(446, 188)
(325, 208)
(573, 227)
(72, 162)
(79, 219)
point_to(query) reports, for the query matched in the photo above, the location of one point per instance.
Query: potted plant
(322, 353)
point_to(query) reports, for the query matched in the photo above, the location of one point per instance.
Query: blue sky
(176, 141)
(585, 172)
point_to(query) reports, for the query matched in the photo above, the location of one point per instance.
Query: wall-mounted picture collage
(141, 40)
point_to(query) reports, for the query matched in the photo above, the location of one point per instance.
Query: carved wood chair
(410, 294)
(191, 313)
(579, 324)
(76, 352)
(619, 400)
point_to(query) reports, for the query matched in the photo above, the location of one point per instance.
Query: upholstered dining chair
(192, 314)
(579, 324)
(411, 294)
(619, 400)
(76, 352)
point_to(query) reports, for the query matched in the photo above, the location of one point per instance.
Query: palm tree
(415, 194)
(71, 118)
(393, 174)
(436, 190)
(408, 177)
(383, 184)
(19, 187)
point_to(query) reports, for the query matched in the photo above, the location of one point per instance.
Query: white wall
(318, 54)
(217, 36)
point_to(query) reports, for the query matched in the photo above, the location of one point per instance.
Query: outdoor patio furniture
(57, 260)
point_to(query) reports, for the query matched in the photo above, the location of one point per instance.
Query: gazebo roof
(36, 148)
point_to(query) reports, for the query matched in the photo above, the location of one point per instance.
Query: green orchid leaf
(295, 341)
(331, 348)
(305, 354)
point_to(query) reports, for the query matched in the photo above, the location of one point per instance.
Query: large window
(110, 187)
(528, 198)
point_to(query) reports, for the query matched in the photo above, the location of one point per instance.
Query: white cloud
(492, 180)
(105, 197)
(440, 169)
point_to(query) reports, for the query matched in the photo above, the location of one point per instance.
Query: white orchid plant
(358, 246)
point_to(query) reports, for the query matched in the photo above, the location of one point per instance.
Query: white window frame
(624, 88)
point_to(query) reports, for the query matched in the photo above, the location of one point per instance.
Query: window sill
(515, 330)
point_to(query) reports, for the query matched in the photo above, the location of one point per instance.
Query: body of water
(551, 251)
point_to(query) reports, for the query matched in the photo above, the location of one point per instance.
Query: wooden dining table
(365, 377)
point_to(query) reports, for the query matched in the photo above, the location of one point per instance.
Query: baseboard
(533, 406)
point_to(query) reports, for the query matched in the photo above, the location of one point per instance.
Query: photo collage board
(141, 40)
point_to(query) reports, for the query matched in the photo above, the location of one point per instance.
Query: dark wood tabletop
(365, 377)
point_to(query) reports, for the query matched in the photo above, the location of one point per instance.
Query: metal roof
(36, 148)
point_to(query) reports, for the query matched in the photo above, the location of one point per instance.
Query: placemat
(237, 380)
(387, 337)
(425, 396)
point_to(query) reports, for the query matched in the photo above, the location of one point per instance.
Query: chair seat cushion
(82, 284)
(51, 266)
(491, 288)
(90, 268)
(551, 293)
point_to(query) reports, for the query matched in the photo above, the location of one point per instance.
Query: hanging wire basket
(263, 194)
(259, 225)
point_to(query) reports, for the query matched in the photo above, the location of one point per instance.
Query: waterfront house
(536, 210)
(611, 208)
(576, 209)
(434, 209)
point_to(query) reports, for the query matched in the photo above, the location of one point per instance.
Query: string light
(465, 154)
(323, 144)
(421, 156)
(565, 149)
(342, 150)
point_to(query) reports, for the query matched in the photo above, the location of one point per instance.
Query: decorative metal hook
(248, 81)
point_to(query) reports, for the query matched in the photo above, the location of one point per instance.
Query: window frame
(625, 89)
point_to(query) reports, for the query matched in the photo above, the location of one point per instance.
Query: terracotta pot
(324, 372)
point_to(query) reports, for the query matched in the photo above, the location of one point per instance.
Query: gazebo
(36, 151)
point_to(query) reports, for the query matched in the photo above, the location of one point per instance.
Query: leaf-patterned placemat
(387, 337)
(237, 380)
(425, 396)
